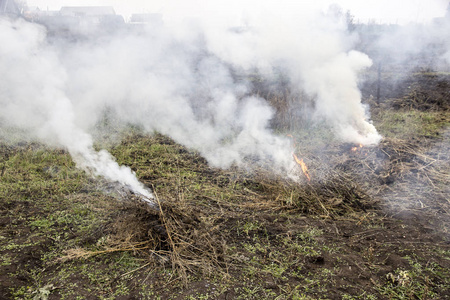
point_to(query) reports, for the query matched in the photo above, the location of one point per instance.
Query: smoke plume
(32, 94)
(189, 79)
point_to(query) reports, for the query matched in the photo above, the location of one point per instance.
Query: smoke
(33, 98)
(314, 49)
(413, 46)
(188, 79)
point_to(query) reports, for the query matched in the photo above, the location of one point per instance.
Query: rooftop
(87, 10)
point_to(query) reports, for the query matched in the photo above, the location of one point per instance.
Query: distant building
(153, 19)
(77, 20)
(445, 19)
(35, 14)
(9, 7)
(87, 11)
(93, 16)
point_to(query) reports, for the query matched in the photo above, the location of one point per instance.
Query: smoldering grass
(189, 226)
(197, 199)
(196, 195)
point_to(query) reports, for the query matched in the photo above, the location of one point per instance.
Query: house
(87, 11)
(35, 14)
(152, 19)
(91, 17)
(78, 20)
(445, 20)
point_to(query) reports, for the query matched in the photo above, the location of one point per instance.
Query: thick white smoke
(32, 96)
(316, 51)
(178, 79)
(415, 45)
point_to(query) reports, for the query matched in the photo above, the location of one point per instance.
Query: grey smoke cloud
(32, 95)
(415, 45)
(177, 80)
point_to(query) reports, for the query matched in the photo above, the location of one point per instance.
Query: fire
(300, 161)
(302, 165)
(354, 149)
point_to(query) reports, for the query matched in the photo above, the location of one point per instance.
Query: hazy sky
(386, 11)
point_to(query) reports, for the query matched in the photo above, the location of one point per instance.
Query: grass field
(372, 223)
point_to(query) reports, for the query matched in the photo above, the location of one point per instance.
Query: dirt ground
(371, 224)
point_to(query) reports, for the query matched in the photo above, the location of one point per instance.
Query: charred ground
(371, 224)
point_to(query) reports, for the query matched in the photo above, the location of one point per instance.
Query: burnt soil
(371, 224)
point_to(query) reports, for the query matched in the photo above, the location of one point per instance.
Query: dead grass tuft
(189, 231)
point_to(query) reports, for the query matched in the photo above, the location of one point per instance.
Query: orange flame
(298, 160)
(354, 149)
(303, 166)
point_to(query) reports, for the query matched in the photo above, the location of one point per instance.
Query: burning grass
(190, 233)
(364, 225)
(257, 233)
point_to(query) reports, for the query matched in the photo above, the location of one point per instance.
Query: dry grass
(190, 231)
(207, 216)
